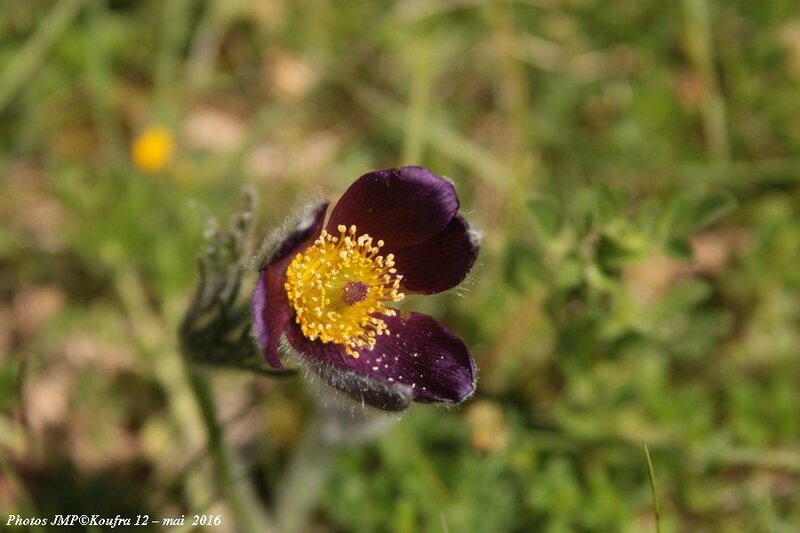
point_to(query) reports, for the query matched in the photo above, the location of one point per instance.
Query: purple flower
(328, 290)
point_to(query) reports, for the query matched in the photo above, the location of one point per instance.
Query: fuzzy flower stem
(250, 516)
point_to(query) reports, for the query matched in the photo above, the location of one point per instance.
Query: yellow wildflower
(153, 148)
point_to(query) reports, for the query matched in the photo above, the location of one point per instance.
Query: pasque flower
(328, 291)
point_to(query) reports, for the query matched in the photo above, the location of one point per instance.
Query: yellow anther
(336, 286)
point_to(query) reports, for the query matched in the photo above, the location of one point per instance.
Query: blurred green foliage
(632, 164)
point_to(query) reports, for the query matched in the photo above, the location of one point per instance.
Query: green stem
(522, 156)
(250, 516)
(700, 49)
(422, 67)
(192, 409)
(14, 76)
(651, 474)
(161, 355)
(101, 84)
(175, 24)
(438, 134)
(205, 46)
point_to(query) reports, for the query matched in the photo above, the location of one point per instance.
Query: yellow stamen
(339, 285)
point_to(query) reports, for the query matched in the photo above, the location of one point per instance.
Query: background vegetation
(633, 165)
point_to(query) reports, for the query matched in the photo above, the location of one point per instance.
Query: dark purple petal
(270, 304)
(402, 206)
(419, 354)
(301, 236)
(270, 315)
(361, 387)
(440, 263)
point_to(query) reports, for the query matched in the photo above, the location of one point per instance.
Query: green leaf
(684, 297)
(691, 211)
(614, 251)
(582, 211)
(610, 204)
(674, 221)
(712, 208)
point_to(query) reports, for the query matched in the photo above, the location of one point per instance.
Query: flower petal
(440, 263)
(361, 387)
(419, 356)
(270, 305)
(402, 206)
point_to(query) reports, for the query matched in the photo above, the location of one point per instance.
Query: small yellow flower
(153, 148)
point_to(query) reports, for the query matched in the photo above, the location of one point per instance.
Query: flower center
(354, 292)
(338, 288)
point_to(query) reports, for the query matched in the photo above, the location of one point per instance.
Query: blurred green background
(633, 165)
